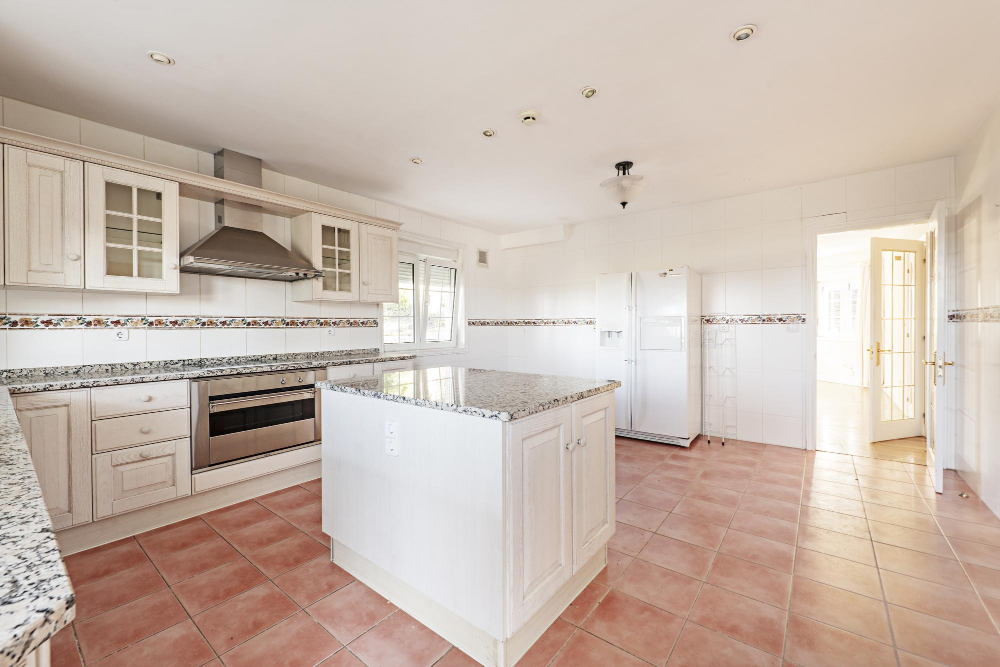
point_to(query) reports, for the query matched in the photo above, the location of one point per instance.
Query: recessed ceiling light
(743, 33)
(588, 92)
(160, 58)
(528, 117)
(416, 160)
(488, 132)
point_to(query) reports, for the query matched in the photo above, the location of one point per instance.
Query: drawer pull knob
(145, 398)
(300, 379)
(145, 429)
(72, 256)
(144, 454)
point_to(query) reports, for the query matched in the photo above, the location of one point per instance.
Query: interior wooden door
(896, 387)
(938, 351)
(593, 477)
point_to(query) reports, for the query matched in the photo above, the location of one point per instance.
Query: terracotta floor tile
(686, 473)
(985, 579)
(741, 618)
(64, 651)
(350, 611)
(993, 607)
(700, 647)
(626, 475)
(260, 535)
(777, 479)
(836, 544)
(964, 513)
(752, 580)
(904, 518)
(910, 660)
(971, 532)
(123, 626)
(658, 480)
(315, 580)
(661, 500)
(286, 500)
(551, 642)
(847, 491)
(813, 644)
(902, 488)
(835, 521)
(835, 476)
(883, 473)
(778, 509)
(622, 489)
(585, 650)
(908, 538)
(639, 628)
(895, 500)
(313, 486)
(945, 602)
(629, 539)
(584, 604)
(689, 559)
(107, 593)
(842, 609)
(943, 641)
(175, 537)
(297, 640)
(725, 480)
(923, 566)
(237, 517)
(239, 618)
(977, 553)
(217, 585)
(774, 492)
(765, 526)
(760, 550)
(693, 508)
(200, 558)
(287, 554)
(103, 561)
(309, 519)
(178, 646)
(634, 462)
(833, 503)
(714, 494)
(344, 658)
(703, 534)
(660, 587)
(640, 516)
(454, 658)
(400, 641)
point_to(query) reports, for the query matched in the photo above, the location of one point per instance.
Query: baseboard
(653, 437)
(138, 521)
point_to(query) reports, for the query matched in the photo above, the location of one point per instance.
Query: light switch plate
(391, 438)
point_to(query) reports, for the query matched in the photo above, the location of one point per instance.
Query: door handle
(944, 365)
(878, 353)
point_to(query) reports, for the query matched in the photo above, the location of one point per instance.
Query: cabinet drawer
(121, 432)
(390, 366)
(349, 371)
(130, 399)
(140, 476)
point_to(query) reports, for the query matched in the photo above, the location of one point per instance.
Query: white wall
(976, 250)
(214, 295)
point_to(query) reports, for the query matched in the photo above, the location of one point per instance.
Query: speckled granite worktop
(36, 599)
(471, 391)
(21, 381)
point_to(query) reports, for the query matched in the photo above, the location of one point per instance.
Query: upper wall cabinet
(43, 202)
(132, 232)
(331, 245)
(379, 275)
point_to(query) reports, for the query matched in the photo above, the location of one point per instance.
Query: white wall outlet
(121, 334)
(391, 438)
(331, 332)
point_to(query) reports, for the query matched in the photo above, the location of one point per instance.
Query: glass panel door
(133, 231)
(337, 259)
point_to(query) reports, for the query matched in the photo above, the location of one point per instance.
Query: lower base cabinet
(128, 479)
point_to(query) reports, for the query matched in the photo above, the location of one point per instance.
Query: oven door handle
(253, 401)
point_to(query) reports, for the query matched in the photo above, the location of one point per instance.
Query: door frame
(812, 228)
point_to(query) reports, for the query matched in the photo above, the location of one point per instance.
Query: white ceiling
(345, 92)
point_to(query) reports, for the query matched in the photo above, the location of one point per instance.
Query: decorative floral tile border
(987, 314)
(179, 322)
(547, 322)
(754, 319)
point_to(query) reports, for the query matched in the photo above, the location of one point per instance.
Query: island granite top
(472, 391)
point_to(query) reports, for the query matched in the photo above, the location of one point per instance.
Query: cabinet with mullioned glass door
(331, 245)
(132, 232)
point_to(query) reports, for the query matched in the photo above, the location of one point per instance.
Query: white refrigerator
(649, 337)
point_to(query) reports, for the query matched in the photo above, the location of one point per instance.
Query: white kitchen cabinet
(379, 273)
(43, 205)
(132, 232)
(331, 245)
(128, 479)
(593, 460)
(56, 426)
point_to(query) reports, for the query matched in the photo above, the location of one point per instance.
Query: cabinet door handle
(582, 442)
(365, 283)
(145, 454)
(570, 445)
(173, 266)
(145, 429)
(72, 256)
(145, 398)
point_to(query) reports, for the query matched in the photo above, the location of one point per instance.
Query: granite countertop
(471, 391)
(22, 381)
(36, 599)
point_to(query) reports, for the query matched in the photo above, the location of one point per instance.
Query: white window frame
(421, 344)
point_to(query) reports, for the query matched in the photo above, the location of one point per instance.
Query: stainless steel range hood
(239, 247)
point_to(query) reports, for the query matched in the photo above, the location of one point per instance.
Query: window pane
(399, 325)
(150, 233)
(440, 303)
(150, 264)
(118, 229)
(149, 203)
(329, 235)
(118, 197)
(118, 261)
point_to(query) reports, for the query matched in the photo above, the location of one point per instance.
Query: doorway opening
(872, 326)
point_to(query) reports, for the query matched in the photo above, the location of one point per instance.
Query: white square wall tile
(676, 221)
(647, 255)
(781, 393)
(113, 303)
(708, 251)
(39, 120)
(675, 251)
(824, 198)
(334, 197)
(749, 382)
(272, 181)
(187, 302)
(621, 257)
(430, 226)
(166, 344)
(265, 298)
(647, 225)
(748, 346)
(100, 346)
(189, 213)
(360, 204)
(743, 248)
(781, 244)
(707, 216)
(3, 349)
(172, 155)
(223, 342)
(44, 302)
(925, 181)
(337, 338)
(743, 211)
(781, 346)
(781, 205)
(785, 431)
(303, 340)
(223, 296)
(874, 189)
(781, 291)
(297, 187)
(363, 338)
(743, 292)
(107, 138)
(713, 293)
(748, 427)
(31, 348)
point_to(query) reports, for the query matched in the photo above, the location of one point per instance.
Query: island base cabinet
(128, 479)
(593, 459)
(56, 426)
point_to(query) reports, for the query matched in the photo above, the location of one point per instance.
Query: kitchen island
(479, 502)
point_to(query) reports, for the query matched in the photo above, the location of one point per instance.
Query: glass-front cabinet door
(331, 244)
(132, 231)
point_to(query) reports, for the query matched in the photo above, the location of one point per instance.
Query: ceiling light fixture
(416, 160)
(160, 58)
(489, 132)
(624, 187)
(588, 92)
(743, 33)
(528, 117)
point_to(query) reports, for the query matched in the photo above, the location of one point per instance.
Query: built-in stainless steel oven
(240, 417)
